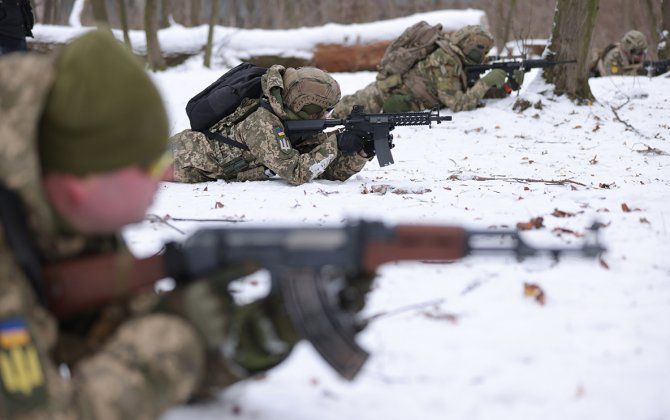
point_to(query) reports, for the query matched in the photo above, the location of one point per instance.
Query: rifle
(377, 128)
(654, 68)
(474, 71)
(308, 268)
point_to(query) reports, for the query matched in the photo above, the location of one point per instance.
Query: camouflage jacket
(615, 62)
(438, 79)
(199, 159)
(150, 362)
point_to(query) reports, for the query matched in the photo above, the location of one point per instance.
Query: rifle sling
(12, 217)
(215, 136)
(212, 135)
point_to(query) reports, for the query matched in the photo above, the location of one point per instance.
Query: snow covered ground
(599, 348)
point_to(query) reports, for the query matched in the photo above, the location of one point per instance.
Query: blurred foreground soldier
(255, 146)
(423, 68)
(16, 23)
(625, 58)
(82, 146)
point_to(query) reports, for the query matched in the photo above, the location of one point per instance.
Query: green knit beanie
(103, 112)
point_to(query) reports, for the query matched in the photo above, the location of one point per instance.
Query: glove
(350, 142)
(495, 78)
(517, 79)
(204, 307)
(261, 335)
(352, 297)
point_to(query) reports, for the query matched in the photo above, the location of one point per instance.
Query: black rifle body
(375, 128)
(474, 71)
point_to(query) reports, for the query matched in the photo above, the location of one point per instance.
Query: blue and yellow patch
(21, 375)
(281, 138)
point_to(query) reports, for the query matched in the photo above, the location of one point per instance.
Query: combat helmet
(310, 90)
(634, 43)
(474, 41)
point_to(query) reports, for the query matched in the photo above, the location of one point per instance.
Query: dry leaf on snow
(534, 291)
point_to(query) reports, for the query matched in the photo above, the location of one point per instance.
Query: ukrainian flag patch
(21, 375)
(281, 138)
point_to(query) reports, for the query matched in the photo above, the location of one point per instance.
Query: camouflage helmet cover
(633, 40)
(309, 86)
(473, 39)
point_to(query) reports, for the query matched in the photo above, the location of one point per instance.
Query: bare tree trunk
(571, 40)
(213, 18)
(165, 14)
(123, 17)
(196, 7)
(508, 22)
(100, 12)
(154, 56)
(653, 24)
(665, 26)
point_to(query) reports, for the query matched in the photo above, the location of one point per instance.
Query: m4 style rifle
(311, 270)
(474, 71)
(375, 128)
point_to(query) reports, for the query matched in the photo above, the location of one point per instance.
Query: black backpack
(222, 97)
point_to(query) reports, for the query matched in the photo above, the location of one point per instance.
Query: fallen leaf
(605, 186)
(559, 230)
(205, 189)
(576, 127)
(627, 209)
(534, 223)
(218, 205)
(603, 263)
(644, 220)
(561, 213)
(534, 291)
(526, 188)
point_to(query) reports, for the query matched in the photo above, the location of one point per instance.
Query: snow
(596, 349)
(235, 43)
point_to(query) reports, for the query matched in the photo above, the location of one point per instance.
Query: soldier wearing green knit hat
(83, 133)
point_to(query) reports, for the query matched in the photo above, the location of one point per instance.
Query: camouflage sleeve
(150, 364)
(343, 167)
(263, 132)
(370, 97)
(614, 64)
(446, 73)
(196, 158)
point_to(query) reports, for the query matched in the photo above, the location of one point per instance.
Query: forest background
(508, 19)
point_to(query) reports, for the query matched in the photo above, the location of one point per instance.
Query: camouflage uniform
(145, 364)
(199, 159)
(438, 79)
(617, 59)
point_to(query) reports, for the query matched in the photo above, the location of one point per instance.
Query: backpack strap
(215, 136)
(12, 217)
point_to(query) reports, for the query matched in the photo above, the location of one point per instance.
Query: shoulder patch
(22, 381)
(281, 138)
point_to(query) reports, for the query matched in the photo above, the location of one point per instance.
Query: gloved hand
(261, 335)
(495, 78)
(350, 142)
(517, 79)
(205, 307)
(352, 297)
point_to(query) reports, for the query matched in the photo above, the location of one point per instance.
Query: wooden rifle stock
(417, 243)
(87, 283)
